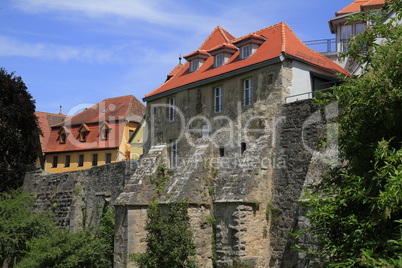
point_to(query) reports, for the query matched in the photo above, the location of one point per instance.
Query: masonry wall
(78, 197)
(254, 203)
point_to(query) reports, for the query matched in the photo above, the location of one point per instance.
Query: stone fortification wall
(252, 202)
(241, 211)
(78, 197)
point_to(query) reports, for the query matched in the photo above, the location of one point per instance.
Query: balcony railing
(322, 45)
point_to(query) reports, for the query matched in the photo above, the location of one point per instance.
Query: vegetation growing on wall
(357, 208)
(29, 239)
(169, 239)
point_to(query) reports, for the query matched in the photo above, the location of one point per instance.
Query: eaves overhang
(292, 57)
(216, 78)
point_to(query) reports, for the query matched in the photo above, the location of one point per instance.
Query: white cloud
(144, 10)
(12, 47)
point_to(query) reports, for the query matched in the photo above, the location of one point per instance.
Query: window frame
(81, 160)
(245, 51)
(219, 60)
(248, 91)
(95, 159)
(174, 152)
(171, 109)
(218, 99)
(205, 131)
(55, 161)
(108, 158)
(67, 161)
(194, 65)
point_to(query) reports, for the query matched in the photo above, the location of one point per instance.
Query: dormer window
(196, 59)
(83, 133)
(62, 135)
(222, 54)
(104, 131)
(194, 65)
(218, 60)
(248, 45)
(245, 52)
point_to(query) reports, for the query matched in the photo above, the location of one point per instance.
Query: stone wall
(252, 197)
(242, 207)
(78, 197)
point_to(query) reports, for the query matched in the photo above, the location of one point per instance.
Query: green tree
(19, 131)
(19, 225)
(357, 208)
(62, 249)
(169, 240)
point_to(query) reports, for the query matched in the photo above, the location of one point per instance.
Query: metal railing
(322, 45)
(307, 95)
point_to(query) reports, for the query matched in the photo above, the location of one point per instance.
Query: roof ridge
(225, 34)
(283, 36)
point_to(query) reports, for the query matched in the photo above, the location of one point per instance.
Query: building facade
(345, 29)
(98, 135)
(229, 83)
(214, 124)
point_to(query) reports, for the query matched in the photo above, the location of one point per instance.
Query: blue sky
(76, 53)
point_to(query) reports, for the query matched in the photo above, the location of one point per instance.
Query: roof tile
(280, 39)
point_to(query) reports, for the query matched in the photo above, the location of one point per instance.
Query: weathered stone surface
(78, 197)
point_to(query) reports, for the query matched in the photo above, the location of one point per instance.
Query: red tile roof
(118, 108)
(115, 111)
(280, 39)
(357, 5)
(46, 120)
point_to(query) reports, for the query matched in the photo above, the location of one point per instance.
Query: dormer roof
(280, 42)
(250, 38)
(359, 5)
(223, 48)
(112, 113)
(198, 54)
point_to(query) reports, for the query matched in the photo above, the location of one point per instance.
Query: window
(243, 147)
(108, 158)
(62, 138)
(346, 33)
(80, 160)
(219, 60)
(221, 151)
(171, 114)
(245, 52)
(360, 28)
(62, 135)
(67, 161)
(173, 154)
(218, 94)
(105, 131)
(205, 131)
(194, 64)
(248, 92)
(55, 160)
(83, 133)
(94, 159)
(130, 133)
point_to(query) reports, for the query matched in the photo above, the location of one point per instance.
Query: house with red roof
(96, 136)
(345, 30)
(228, 79)
(45, 121)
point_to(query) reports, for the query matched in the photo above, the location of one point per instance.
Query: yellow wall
(124, 149)
(74, 160)
(136, 145)
(121, 154)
